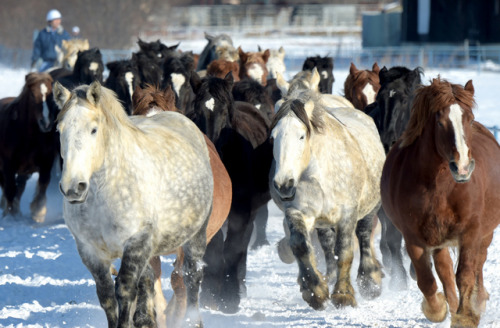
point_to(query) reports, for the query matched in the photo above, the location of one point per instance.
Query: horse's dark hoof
(259, 243)
(229, 307)
(316, 297)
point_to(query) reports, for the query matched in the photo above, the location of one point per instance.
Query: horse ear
(309, 108)
(242, 54)
(469, 87)
(265, 55)
(375, 68)
(315, 79)
(382, 74)
(281, 51)
(174, 47)
(86, 44)
(94, 93)
(352, 69)
(61, 94)
(282, 84)
(259, 49)
(209, 37)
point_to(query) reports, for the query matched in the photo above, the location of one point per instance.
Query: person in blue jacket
(46, 41)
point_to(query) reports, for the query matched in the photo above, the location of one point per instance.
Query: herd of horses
(178, 153)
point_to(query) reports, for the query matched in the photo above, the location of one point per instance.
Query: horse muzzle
(463, 174)
(76, 193)
(287, 190)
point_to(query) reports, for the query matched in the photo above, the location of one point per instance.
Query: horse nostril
(290, 183)
(453, 167)
(82, 186)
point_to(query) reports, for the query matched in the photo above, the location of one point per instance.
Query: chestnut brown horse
(253, 65)
(361, 86)
(28, 144)
(148, 101)
(440, 188)
(220, 67)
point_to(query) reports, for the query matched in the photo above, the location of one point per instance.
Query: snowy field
(43, 282)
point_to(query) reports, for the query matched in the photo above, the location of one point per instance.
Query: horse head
(276, 63)
(89, 66)
(253, 65)
(156, 49)
(324, 65)
(213, 105)
(177, 74)
(123, 79)
(70, 49)
(443, 113)
(391, 109)
(151, 100)
(291, 131)
(150, 70)
(39, 86)
(361, 86)
(82, 135)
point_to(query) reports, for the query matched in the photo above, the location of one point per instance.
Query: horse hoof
(341, 300)
(38, 215)
(440, 310)
(463, 321)
(369, 288)
(285, 252)
(259, 243)
(316, 297)
(229, 308)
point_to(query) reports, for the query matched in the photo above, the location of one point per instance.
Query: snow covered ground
(43, 282)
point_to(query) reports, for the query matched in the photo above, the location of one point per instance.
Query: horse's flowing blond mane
(431, 99)
(108, 106)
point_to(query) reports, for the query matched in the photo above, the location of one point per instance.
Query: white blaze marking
(177, 80)
(43, 91)
(255, 72)
(93, 66)
(456, 121)
(153, 111)
(369, 93)
(210, 104)
(129, 77)
(258, 106)
(324, 74)
(392, 93)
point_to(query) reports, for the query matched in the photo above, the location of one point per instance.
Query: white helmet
(53, 14)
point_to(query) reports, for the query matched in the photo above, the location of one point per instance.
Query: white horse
(134, 187)
(326, 176)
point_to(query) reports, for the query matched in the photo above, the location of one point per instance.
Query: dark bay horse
(149, 101)
(439, 187)
(391, 112)
(28, 144)
(123, 78)
(240, 134)
(89, 67)
(361, 86)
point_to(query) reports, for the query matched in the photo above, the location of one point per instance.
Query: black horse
(208, 53)
(240, 134)
(27, 144)
(89, 67)
(325, 70)
(177, 72)
(391, 112)
(123, 78)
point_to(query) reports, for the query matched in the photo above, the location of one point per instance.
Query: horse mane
(109, 106)
(297, 106)
(429, 100)
(151, 96)
(32, 78)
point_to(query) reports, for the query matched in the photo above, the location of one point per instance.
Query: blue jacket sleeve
(37, 49)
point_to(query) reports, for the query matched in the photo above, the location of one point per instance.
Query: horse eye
(302, 137)
(94, 130)
(440, 124)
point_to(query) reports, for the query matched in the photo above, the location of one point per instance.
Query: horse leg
(12, 206)
(369, 271)
(384, 245)
(260, 227)
(104, 284)
(434, 303)
(468, 314)
(327, 240)
(343, 292)
(145, 315)
(37, 206)
(445, 272)
(284, 251)
(312, 284)
(176, 308)
(482, 293)
(213, 272)
(135, 258)
(160, 303)
(393, 240)
(239, 232)
(194, 250)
